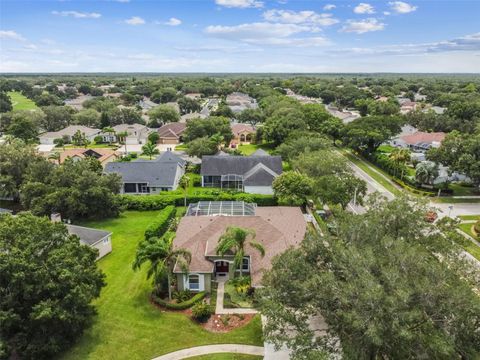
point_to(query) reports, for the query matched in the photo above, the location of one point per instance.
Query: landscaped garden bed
(238, 293)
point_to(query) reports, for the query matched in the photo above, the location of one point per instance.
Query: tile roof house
(103, 155)
(171, 133)
(143, 177)
(242, 134)
(48, 137)
(276, 228)
(420, 141)
(98, 239)
(252, 174)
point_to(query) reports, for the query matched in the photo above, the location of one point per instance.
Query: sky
(284, 36)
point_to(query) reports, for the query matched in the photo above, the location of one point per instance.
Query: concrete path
(219, 309)
(212, 349)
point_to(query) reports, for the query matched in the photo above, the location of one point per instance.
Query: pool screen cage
(231, 181)
(225, 208)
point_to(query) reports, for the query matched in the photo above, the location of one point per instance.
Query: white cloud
(362, 26)
(401, 7)
(299, 17)
(122, 1)
(364, 8)
(242, 4)
(135, 20)
(386, 13)
(78, 14)
(329, 7)
(10, 34)
(173, 22)
(255, 30)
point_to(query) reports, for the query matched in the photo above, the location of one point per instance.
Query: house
(143, 177)
(77, 103)
(344, 115)
(242, 134)
(49, 137)
(407, 106)
(252, 174)
(137, 134)
(276, 228)
(238, 102)
(171, 133)
(420, 141)
(103, 155)
(147, 104)
(98, 239)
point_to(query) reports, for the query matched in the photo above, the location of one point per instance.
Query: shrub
(182, 296)
(476, 227)
(98, 139)
(160, 224)
(179, 306)
(201, 311)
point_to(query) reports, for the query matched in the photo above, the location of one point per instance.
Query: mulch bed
(230, 322)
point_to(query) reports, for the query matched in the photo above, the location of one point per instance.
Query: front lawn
(249, 149)
(21, 102)
(226, 356)
(128, 326)
(469, 217)
(467, 228)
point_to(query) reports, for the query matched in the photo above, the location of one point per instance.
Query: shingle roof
(70, 131)
(276, 228)
(100, 154)
(240, 165)
(160, 172)
(174, 129)
(87, 236)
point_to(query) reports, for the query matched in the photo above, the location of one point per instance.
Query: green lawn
(367, 167)
(91, 146)
(450, 200)
(226, 356)
(251, 148)
(467, 228)
(469, 217)
(20, 102)
(463, 190)
(127, 325)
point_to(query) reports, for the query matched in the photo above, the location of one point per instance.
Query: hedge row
(160, 224)
(179, 306)
(158, 202)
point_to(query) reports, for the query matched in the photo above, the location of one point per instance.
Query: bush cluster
(201, 311)
(160, 224)
(476, 227)
(158, 202)
(179, 306)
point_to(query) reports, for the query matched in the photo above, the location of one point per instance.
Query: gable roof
(88, 236)
(160, 172)
(240, 165)
(238, 129)
(100, 154)
(174, 129)
(276, 228)
(70, 131)
(130, 128)
(423, 137)
(260, 152)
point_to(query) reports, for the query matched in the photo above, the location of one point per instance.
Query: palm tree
(234, 239)
(55, 156)
(400, 156)
(184, 183)
(162, 259)
(121, 136)
(150, 149)
(109, 131)
(426, 172)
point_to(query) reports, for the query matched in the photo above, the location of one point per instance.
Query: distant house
(346, 116)
(171, 133)
(276, 228)
(49, 137)
(77, 103)
(143, 177)
(137, 134)
(103, 155)
(98, 239)
(238, 102)
(407, 106)
(420, 141)
(147, 104)
(252, 174)
(242, 134)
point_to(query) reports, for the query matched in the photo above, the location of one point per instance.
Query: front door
(221, 267)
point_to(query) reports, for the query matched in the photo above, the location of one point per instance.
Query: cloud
(401, 7)
(362, 26)
(299, 17)
(122, 1)
(173, 22)
(78, 14)
(135, 20)
(242, 4)
(329, 7)
(364, 8)
(12, 35)
(386, 13)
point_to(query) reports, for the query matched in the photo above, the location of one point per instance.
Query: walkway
(219, 309)
(213, 349)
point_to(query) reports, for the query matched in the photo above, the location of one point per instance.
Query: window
(194, 282)
(143, 188)
(130, 188)
(106, 240)
(245, 264)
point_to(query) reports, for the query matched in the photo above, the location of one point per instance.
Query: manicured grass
(181, 147)
(251, 148)
(470, 247)
(450, 200)
(385, 148)
(226, 356)
(376, 175)
(91, 146)
(467, 229)
(21, 102)
(128, 326)
(463, 190)
(469, 217)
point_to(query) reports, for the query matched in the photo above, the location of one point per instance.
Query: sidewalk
(213, 349)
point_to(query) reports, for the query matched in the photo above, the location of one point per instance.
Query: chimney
(56, 217)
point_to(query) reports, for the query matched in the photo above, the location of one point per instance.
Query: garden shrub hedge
(160, 224)
(158, 202)
(476, 227)
(179, 306)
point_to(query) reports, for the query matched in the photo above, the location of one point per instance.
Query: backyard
(128, 326)
(20, 102)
